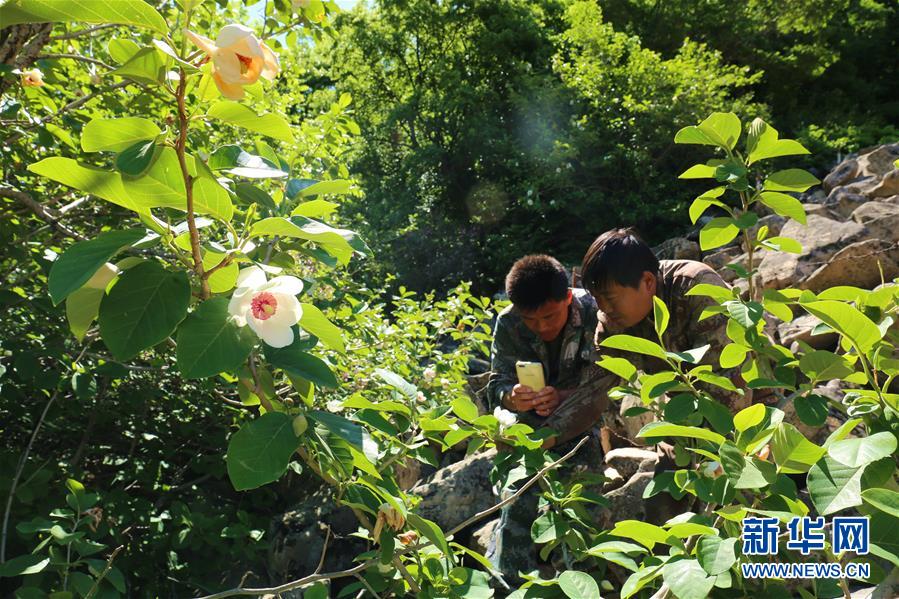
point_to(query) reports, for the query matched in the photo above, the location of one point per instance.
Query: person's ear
(570, 296)
(649, 280)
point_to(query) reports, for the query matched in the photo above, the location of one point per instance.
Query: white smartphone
(530, 374)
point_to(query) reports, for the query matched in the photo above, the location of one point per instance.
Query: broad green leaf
(687, 579)
(136, 159)
(749, 417)
(655, 430)
(224, 278)
(82, 308)
(846, 320)
(793, 179)
(148, 65)
(430, 531)
(716, 555)
(715, 291)
(250, 194)
(314, 321)
(260, 451)
(699, 171)
(634, 344)
(751, 473)
(125, 12)
(272, 125)
(747, 313)
(719, 129)
(116, 135)
(143, 308)
(684, 530)
(314, 209)
(732, 355)
(822, 365)
(335, 186)
(103, 184)
(643, 532)
(856, 453)
(812, 409)
(239, 163)
(834, 486)
(578, 585)
(784, 205)
(619, 366)
(717, 232)
(783, 244)
(885, 500)
(792, 452)
(660, 315)
(397, 382)
(464, 408)
(24, 564)
(83, 259)
(349, 431)
(765, 143)
(547, 528)
(334, 241)
(295, 361)
(163, 186)
(121, 49)
(209, 342)
(842, 432)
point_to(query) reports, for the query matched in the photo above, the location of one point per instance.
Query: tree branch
(77, 57)
(36, 207)
(80, 32)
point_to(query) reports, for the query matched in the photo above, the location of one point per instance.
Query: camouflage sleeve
(503, 355)
(584, 407)
(712, 331)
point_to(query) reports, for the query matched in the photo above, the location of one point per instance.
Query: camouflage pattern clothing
(512, 549)
(684, 332)
(513, 341)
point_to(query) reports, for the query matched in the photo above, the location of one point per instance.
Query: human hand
(546, 401)
(521, 399)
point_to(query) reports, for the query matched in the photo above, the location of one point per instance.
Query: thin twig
(364, 582)
(19, 468)
(80, 32)
(103, 574)
(307, 580)
(39, 210)
(76, 57)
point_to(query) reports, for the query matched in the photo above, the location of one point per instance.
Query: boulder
(879, 161)
(845, 171)
(884, 227)
(859, 264)
(458, 491)
(887, 187)
(774, 222)
(677, 248)
(842, 202)
(481, 537)
(800, 329)
(821, 238)
(719, 258)
(626, 461)
(871, 211)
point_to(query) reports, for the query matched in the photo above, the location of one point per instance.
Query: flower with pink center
(239, 58)
(269, 307)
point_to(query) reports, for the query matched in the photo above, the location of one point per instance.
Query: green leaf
(811, 409)
(464, 408)
(116, 135)
(885, 500)
(717, 232)
(792, 452)
(209, 342)
(334, 186)
(764, 143)
(349, 431)
(82, 308)
(822, 365)
(715, 291)
(314, 321)
(142, 309)
(260, 451)
(121, 49)
(397, 382)
(314, 209)
(732, 355)
(24, 564)
(716, 555)
(243, 164)
(793, 179)
(655, 430)
(431, 531)
(125, 12)
(578, 585)
(783, 244)
(634, 344)
(136, 159)
(619, 366)
(660, 315)
(784, 205)
(643, 532)
(83, 259)
(749, 417)
(834, 486)
(687, 579)
(298, 363)
(148, 65)
(547, 528)
(856, 453)
(719, 129)
(163, 186)
(847, 321)
(103, 184)
(272, 125)
(334, 241)
(699, 171)
(747, 313)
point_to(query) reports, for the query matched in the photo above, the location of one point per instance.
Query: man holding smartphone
(548, 330)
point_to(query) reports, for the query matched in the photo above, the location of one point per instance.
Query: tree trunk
(20, 45)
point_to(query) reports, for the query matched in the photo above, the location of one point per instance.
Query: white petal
(240, 303)
(288, 312)
(232, 34)
(276, 336)
(252, 277)
(286, 285)
(205, 44)
(272, 66)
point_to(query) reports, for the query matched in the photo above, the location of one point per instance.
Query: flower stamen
(264, 305)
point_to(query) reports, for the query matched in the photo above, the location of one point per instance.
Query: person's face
(627, 306)
(549, 319)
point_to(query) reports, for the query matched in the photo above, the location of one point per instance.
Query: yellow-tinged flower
(239, 58)
(270, 308)
(32, 78)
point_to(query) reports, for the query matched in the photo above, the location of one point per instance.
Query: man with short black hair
(552, 324)
(623, 275)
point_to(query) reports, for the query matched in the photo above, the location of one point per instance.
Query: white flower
(270, 308)
(712, 469)
(445, 383)
(334, 405)
(430, 374)
(239, 58)
(32, 78)
(421, 397)
(505, 417)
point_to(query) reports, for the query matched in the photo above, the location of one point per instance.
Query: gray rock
(885, 227)
(879, 161)
(628, 460)
(818, 210)
(774, 222)
(677, 248)
(800, 329)
(480, 538)
(845, 171)
(843, 202)
(820, 239)
(458, 491)
(887, 187)
(871, 211)
(859, 264)
(719, 258)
